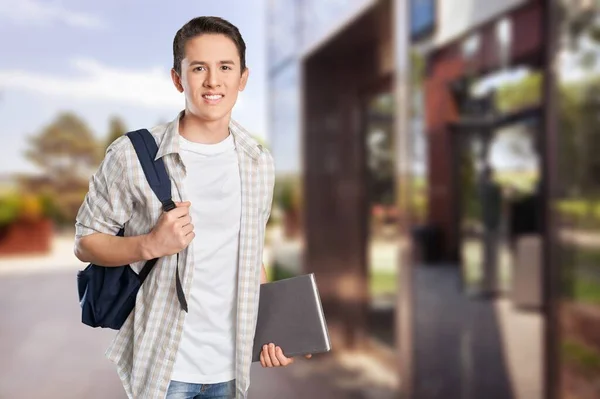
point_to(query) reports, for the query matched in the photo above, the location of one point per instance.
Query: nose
(212, 80)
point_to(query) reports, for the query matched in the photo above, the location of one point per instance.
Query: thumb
(184, 203)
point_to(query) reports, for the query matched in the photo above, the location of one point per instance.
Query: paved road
(48, 354)
(46, 351)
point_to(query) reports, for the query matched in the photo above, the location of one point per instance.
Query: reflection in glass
(285, 119)
(285, 234)
(382, 244)
(319, 17)
(500, 239)
(282, 30)
(499, 178)
(577, 204)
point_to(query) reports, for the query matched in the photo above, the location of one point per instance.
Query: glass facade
(284, 75)
(294, 25)
(282, 31)
(475, 181)
(422, 17)
(497, 215)
(320, 17)
(285, 119)
(577, 202)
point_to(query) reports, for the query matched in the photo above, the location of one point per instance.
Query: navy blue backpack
(107, 294)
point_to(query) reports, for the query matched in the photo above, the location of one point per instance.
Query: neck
(202, 131)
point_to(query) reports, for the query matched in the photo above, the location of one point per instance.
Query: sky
(112, 58)
(108, 58)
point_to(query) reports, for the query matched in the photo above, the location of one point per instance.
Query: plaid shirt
(145, 348)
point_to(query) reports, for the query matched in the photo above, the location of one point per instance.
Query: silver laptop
(290, 315)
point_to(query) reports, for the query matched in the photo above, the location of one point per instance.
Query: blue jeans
(185, 390)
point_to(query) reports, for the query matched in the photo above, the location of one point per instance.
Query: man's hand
(173, 232)
(272, 356)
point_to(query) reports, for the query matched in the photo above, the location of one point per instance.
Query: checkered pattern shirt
(145, 348)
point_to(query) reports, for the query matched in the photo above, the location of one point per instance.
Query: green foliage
(68, 153)
(581, 356)
(65, 149)
(518, 95)
(586, 291)
(9, 208)
(383, 283)
(580, 210)
(287, 193)
(579, 143)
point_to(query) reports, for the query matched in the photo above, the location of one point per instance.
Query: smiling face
(211, 76)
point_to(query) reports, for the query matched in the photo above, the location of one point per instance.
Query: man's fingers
(308, 356)
(273, 356)
(262, 359)
(177, 213)
(181, 209)
(284, 361)
(267, 357)
(185, 220)
(187, 229)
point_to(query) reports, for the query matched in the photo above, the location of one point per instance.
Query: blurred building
(436, 172)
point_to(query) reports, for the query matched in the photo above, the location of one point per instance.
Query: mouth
(212, 98)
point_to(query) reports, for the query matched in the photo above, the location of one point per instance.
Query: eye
(199, 68)
(226, 68)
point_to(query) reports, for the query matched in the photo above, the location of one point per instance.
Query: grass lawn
(581, 356)
(380, 282)
(587, 291)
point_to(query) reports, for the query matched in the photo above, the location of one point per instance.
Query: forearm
(107, 250)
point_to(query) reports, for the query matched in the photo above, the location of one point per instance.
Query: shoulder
(122, 147)
(251, 145)
(117, 150)
(266, 158)
(267, 168)
(159, 132)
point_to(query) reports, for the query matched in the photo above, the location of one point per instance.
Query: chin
(210, 115)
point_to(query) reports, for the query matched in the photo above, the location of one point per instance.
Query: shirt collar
(243, 139)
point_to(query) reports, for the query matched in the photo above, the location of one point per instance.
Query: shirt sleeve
(268, 176)
(108, 203)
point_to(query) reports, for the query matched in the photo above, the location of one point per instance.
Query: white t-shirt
(207, 349)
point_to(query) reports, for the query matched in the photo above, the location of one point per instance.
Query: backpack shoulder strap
(155, 171)
(158, 178)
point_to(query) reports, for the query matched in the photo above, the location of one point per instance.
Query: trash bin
(427, 243)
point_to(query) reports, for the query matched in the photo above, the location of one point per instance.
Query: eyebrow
(224, 62)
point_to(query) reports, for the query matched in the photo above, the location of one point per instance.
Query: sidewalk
(42, 339)
(327, 376)
(60, 258)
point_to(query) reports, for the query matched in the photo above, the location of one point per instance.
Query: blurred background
(435, 169)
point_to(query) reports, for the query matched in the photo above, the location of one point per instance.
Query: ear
(244, 79)
(176, 80)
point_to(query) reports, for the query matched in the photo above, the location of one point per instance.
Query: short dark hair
(206, 25)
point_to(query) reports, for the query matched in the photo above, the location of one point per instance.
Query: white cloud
(32, 12)
(151, 88)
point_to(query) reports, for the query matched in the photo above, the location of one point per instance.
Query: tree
(68, 153)
(116, 129)
(66, 148)
(521, 94)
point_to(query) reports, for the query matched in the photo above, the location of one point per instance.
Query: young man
(222, 183)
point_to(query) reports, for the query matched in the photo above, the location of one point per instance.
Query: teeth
(213, 97)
